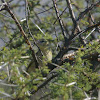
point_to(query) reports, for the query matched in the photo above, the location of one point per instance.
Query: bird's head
(43, 44)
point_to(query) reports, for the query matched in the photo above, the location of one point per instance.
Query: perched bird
(44, 55)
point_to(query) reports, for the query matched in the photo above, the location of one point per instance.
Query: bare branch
(60, 15)
(2, 7)
(59, 19)
(71, 12)
(22, 32)
(90, 33)
(76, 26)
(85, 30)
(45, 10)
(87, 10)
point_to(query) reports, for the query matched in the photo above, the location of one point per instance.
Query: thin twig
(87, 10)
(60, 15)
(85, 30)
(45, 10)
(5, 15)
(90, 33)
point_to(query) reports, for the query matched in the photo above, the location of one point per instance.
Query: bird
(44, 56)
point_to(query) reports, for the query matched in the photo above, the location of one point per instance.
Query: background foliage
(70, 27)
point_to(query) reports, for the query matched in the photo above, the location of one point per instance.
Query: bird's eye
(42, 41)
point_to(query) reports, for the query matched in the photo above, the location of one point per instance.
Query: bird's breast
(48, 55)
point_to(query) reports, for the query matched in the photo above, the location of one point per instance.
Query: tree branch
(76, 26)
(87, 10)
(59, 19)
(85, 30)
(7, 8)
(44, 83)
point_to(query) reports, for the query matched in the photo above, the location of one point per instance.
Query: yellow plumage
(47, 55)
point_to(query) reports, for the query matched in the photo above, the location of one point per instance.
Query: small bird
(44, 55)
